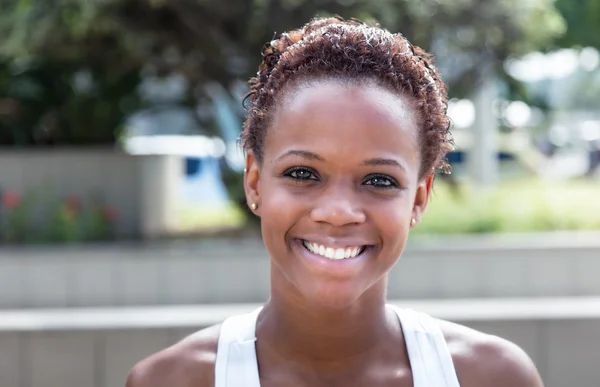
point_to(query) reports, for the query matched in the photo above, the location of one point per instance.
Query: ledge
(190, 316)
(254, 246)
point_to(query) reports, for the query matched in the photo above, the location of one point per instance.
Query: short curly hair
(351, 50)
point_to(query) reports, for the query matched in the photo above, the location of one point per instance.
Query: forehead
(363, 117)
(337, 97)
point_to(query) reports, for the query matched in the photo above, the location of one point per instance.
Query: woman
(346, 129)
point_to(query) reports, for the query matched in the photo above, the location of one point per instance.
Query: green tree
(582, 18)
(218, 39)
(110, 43)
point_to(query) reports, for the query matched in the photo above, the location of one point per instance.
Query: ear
(252, 182)
(422, 197)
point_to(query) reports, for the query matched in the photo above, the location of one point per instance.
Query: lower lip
(344, 266)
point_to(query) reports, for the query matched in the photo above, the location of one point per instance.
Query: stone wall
(238, 271)
(96, 348)
(142, 189)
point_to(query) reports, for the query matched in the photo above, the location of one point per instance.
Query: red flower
(73, 204)
(11, 199)
(109, 214)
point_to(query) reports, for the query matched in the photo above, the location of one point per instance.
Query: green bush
(68, 102)
(518, 206)
(37, 218)
(511, 207)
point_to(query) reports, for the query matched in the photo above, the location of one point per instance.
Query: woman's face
(337, 189)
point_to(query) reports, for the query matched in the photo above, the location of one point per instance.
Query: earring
(413, 221)
(254, 206)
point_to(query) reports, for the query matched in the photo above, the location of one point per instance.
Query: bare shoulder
(485, 360)
(190, 362)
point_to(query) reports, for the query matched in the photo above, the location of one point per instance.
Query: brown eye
(381, 181)
(300, 174)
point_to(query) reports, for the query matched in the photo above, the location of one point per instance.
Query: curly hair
(351, 50)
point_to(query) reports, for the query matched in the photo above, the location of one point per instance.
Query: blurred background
(123, 224)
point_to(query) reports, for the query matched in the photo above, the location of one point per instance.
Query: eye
(300, 173)
(381, 181)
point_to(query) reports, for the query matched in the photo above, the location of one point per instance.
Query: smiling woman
(346, 130)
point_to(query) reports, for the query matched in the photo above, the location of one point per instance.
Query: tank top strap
(430, 359)
(236, 364)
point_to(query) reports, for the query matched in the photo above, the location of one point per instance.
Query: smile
(332, 252)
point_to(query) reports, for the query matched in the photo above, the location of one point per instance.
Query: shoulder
(190, 362)
(485, 360)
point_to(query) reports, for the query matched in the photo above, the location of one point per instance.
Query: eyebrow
(313, 156)
(381, 161)
(302, 153)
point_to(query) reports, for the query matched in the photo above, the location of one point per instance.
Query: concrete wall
(238, 271)
(141, 188)
(96, 349)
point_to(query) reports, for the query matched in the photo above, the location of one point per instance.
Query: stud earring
(254, 206)
(413, 221)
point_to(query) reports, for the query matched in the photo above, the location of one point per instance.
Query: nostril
(337, 215)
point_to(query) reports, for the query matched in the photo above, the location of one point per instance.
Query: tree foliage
(582, 18)
(52, 42)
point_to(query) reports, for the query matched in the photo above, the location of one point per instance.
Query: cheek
(393, 220)
(280, 208)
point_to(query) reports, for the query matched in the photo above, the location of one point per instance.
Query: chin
(330, 296)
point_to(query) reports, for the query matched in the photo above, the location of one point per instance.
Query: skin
(340, 167)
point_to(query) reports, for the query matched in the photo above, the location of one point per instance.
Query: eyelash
(288, 173)
(393, 184)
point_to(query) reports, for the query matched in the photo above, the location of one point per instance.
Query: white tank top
(430, 360)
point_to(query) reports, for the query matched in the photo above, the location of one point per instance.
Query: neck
(291, 328)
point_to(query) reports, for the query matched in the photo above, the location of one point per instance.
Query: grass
(515, 206)
(206, 218)
(524, 205)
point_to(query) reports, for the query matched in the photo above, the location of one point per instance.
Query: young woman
(346, 129)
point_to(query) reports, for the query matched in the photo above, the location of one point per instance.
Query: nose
(337, 207)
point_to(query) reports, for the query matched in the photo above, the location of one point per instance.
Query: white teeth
(331, 253)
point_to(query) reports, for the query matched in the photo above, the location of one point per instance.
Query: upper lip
(337, 242)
